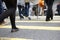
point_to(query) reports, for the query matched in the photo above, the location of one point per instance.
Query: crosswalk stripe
(5, 38)
(35, 27)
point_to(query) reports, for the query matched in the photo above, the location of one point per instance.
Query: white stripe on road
(5, 38)
(35, 27)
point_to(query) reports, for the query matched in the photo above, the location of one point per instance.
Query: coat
(10, 3)
(41, 3)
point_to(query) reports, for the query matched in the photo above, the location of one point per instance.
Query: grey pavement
(31, 34)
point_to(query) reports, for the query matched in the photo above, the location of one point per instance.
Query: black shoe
(51, 18)
(15, 30)
(48, 20)
(29, 18)
(2, 22)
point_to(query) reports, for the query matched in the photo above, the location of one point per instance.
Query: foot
(48, 20)
(29, 18)
(51, 18)
(2, 22)
(15, 30)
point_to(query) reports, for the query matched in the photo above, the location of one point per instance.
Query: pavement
(35, 29)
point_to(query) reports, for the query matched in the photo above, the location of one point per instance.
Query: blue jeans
(27, 5)
(1, 7)
(20, 8)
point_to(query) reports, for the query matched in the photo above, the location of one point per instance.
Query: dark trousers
(58, 9)
(59, 13)
(1, 7)
(49, 10)
(27, 5)
(21, 8)
(11, 13)
(11, 8)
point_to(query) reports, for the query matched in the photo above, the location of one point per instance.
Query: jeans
(27, 5)
(1, 7)
(20, 11)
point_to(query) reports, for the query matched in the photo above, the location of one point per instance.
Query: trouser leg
(12, 18)
(49, 11)
(4, 15)
(11, 13)
(20, 11)
(1, 7)
(27, 5)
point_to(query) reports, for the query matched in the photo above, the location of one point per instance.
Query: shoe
(48, 20)
(2, 22)
(29, 18)
(15, 30)
(51, 18)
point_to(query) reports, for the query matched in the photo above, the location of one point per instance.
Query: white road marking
(35, 27)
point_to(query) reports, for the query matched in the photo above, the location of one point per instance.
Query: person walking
(30, 9)
(58, 8)
(21, 5)
(11, 8)
(1, 9)
(49, 15)
(27, 6)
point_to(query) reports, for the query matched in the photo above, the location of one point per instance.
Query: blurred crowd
(26, 8)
